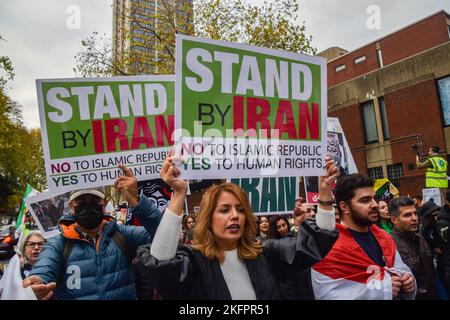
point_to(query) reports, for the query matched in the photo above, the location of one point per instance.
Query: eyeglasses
(34, 244)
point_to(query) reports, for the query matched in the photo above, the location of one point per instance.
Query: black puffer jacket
(442, 233)
(190, 275)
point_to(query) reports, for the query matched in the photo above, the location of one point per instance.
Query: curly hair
(204, 240)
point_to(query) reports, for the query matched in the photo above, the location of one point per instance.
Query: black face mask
(89, 216)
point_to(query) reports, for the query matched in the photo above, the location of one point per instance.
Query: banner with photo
(432, 194)
(270, 196)
(243, 111)
(338, 148)
(90, 125)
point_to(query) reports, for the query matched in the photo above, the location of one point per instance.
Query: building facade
(392, 94)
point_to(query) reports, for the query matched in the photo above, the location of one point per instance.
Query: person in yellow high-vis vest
(436, 174)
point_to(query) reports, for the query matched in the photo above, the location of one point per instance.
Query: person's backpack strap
(121, 243)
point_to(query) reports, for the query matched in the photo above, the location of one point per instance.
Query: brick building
(391, 94)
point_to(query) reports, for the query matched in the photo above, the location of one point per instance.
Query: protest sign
(47, 208)
(243, 111)
(90, 125)
(432, 194)
(338, 148)
(270, 196)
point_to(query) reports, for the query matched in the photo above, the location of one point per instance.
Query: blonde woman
(226, 261)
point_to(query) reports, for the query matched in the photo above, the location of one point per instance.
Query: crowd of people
(350, 246)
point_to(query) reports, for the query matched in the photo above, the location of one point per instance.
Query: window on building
(340, 68)
(444, 92)
(448, 31)
(360, 59)
(384, 120)
(379, 58)
(395, 171)
(376, 173)
(370, 123)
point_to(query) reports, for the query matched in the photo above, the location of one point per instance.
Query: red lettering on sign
(116, 129)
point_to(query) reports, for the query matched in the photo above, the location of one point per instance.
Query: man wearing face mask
(91, 258)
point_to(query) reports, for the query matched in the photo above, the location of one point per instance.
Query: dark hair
(273, 231)
(346, 186)
(418, 197)
(435, 149)
(396, 203)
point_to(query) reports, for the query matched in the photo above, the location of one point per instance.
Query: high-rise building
(392, 94)
(144, 30)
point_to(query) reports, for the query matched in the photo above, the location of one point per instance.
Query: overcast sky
(42, 45)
